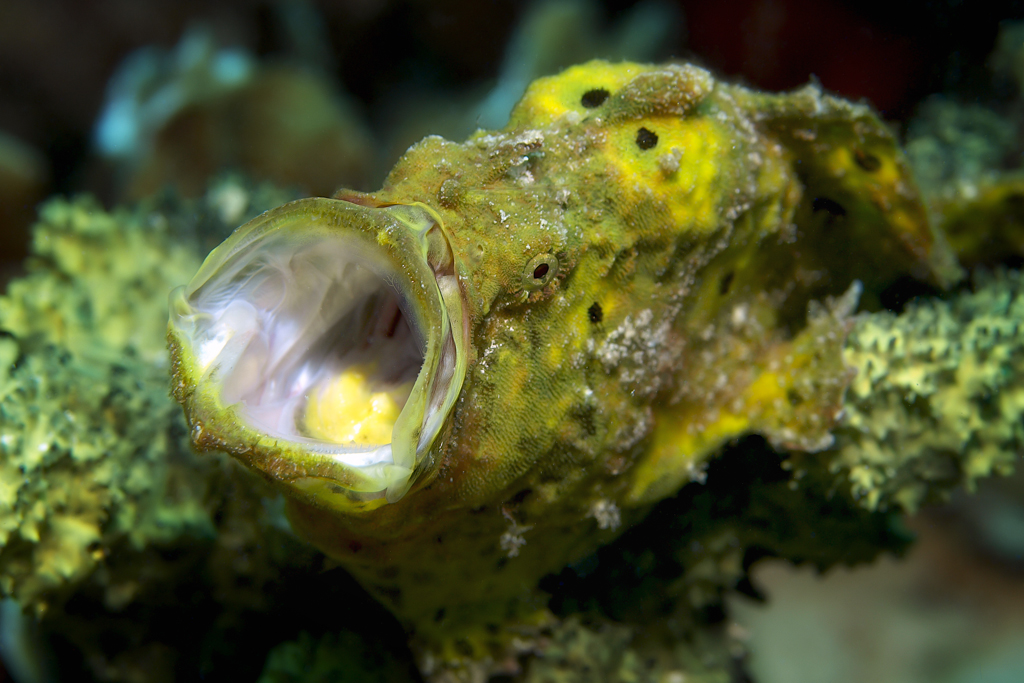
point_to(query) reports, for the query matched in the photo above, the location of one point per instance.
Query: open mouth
(322, 333)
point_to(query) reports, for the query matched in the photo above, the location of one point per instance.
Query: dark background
(56, 58)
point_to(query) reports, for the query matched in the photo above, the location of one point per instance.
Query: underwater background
(135, 136)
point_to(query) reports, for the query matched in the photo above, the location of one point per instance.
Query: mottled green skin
(702, 251)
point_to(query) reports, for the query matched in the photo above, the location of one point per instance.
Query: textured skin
(693, 223)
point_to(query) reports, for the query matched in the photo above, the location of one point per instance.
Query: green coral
(954, 147)
(101, 498)
(939, 395)
(88, 449)
(92, 285)
(94, 453)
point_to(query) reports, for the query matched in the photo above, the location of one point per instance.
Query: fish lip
(407, 241)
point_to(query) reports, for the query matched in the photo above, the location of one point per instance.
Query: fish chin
(322, 343)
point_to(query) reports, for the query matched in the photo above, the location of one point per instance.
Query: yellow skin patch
(677, 171)
(348, 411)
(551, 98)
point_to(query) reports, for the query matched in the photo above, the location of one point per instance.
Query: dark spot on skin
(831, 206)
(868, 162)
(540, 271)
(439, 615)
(520, 497)
(391, 593)
(594, 98)
(726, 283)
(645, 139)
(595, 313)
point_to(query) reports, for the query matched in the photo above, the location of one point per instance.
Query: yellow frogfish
(493, 365)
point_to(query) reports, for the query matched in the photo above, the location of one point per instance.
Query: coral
(938, 399)
(955, 147)
(100, 493)
(89, 452)
(95, 282)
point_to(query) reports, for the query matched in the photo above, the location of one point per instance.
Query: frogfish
(503, 358)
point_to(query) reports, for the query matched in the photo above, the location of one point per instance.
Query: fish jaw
(323, 344)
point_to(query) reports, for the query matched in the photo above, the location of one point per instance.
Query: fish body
(559, 322)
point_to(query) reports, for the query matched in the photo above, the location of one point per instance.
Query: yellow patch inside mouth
(348, 410)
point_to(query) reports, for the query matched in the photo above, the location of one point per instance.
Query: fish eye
(539, 271)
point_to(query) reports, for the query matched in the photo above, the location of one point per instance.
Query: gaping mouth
(328, 336)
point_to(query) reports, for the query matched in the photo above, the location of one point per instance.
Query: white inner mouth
(312, 342)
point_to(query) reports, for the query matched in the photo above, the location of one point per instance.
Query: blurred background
(126, 98)
(396, 68)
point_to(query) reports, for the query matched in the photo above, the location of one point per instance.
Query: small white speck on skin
(512, 540)
(669, 162)
(740, 314)
(606, 513)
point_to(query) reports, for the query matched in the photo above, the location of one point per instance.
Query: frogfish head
(324, 345)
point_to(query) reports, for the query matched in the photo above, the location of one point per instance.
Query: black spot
(833, 207)
(726, 283)
(896, 296)
(594, 98)
(595, 313)
(793, 398)
(520, 496)
(439, 615)
(645, 139)
(868, 162)
(540, 271)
